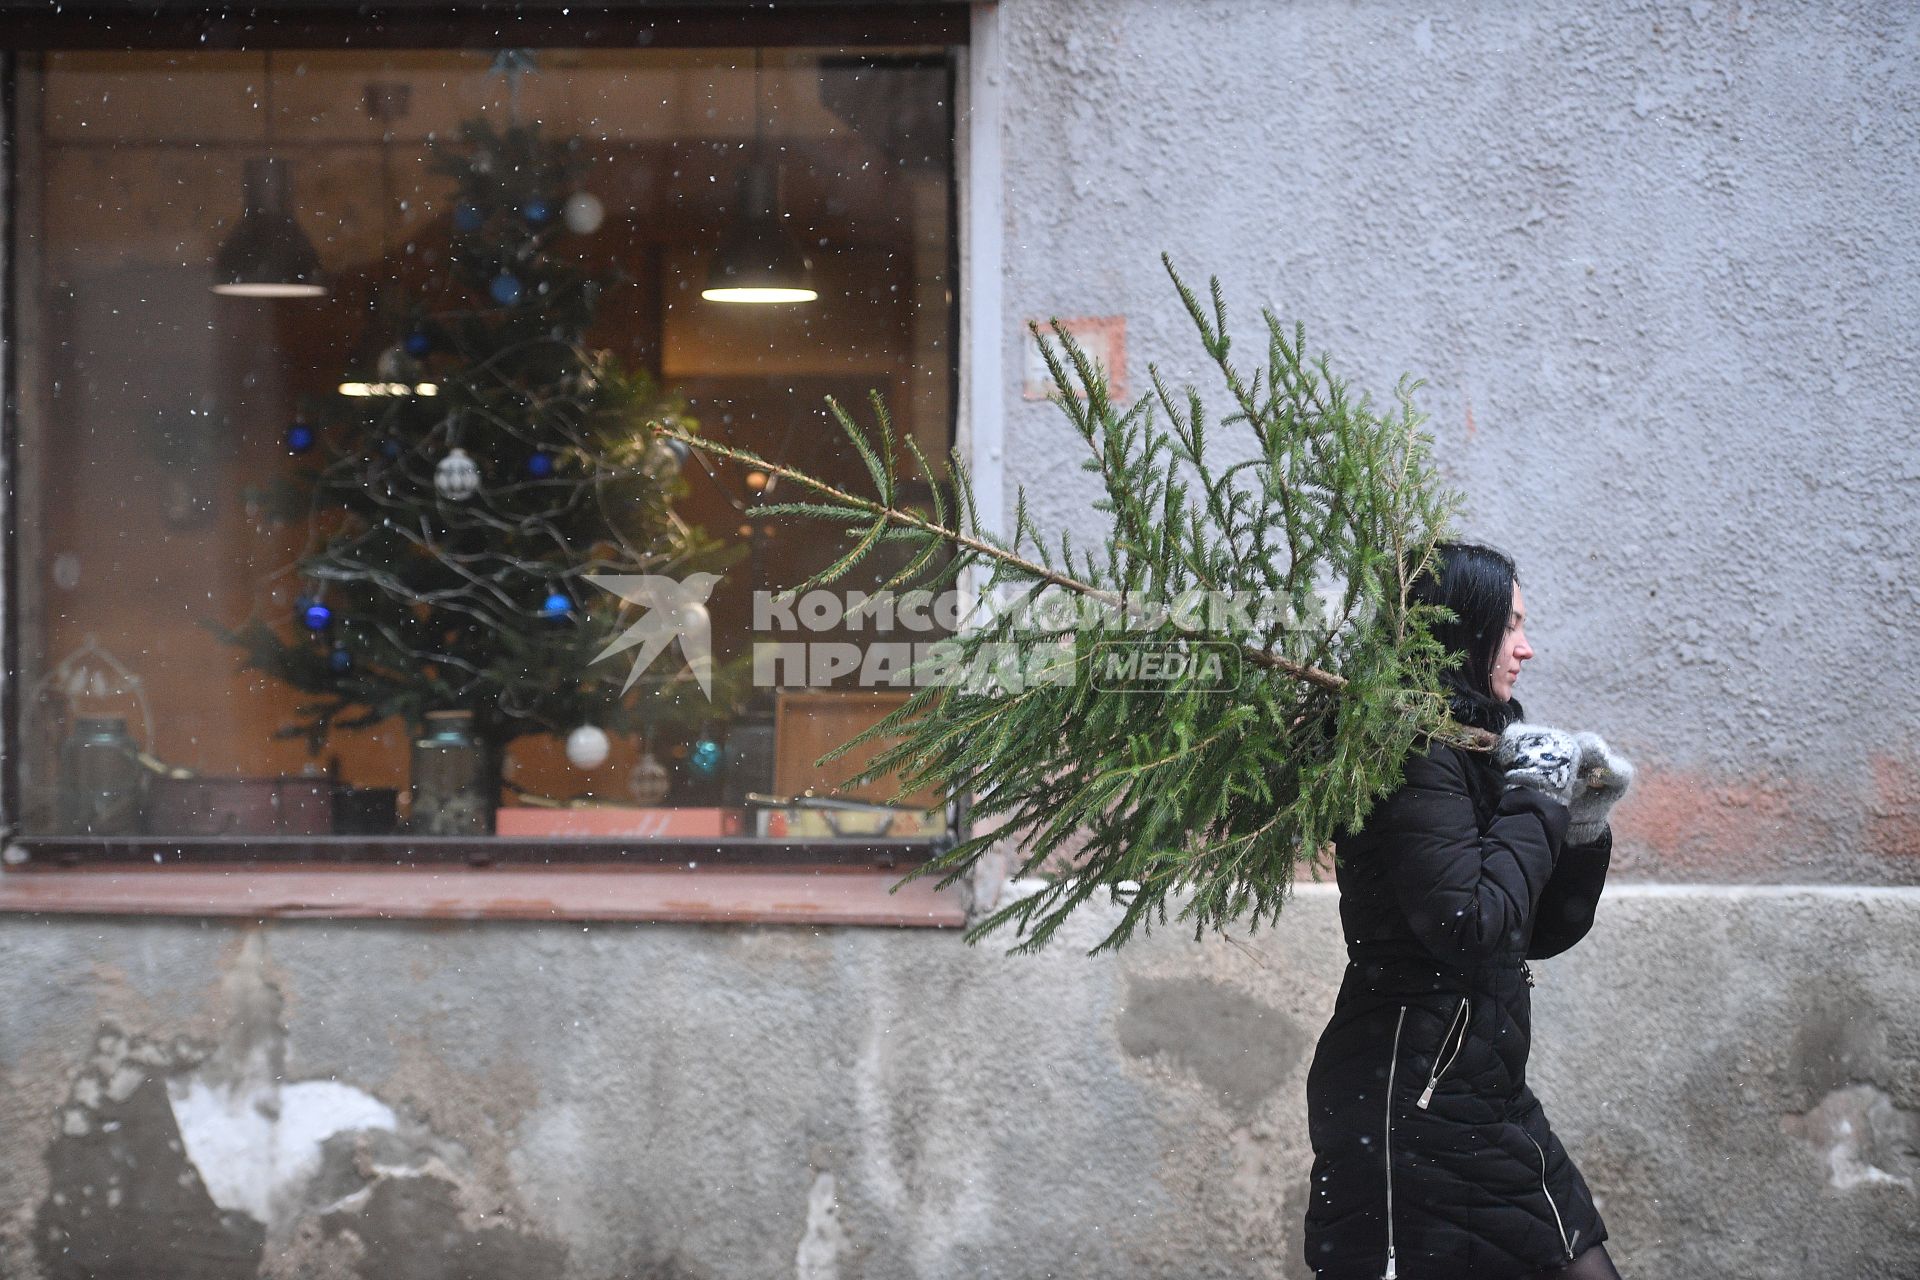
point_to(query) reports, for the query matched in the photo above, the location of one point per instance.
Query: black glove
(1541, 758)
(1603, 777)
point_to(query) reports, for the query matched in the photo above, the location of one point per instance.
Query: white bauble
(583, 213)
(457, 477)
(692, 618)
(587, 747)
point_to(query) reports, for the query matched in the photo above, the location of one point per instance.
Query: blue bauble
(467, 217)
(506, 289)
(540, 465)
(419, 343)
(340, 660)
(390, 447)
(537, 211)
(316, 616)
(299, 438)
(556, 605)
(705, 758)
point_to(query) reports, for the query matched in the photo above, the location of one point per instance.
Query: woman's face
(1514, 650)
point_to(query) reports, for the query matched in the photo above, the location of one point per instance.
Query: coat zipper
(1387, 1146)
(1439, 1067)
(1564, 1242)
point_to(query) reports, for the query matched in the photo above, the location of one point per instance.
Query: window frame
(107, 873)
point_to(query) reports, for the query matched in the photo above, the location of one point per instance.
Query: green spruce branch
(1191, 788)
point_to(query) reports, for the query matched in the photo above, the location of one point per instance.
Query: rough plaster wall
(1658, 264)
(692, 1103)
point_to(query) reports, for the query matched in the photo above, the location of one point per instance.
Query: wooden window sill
(691, 852)
(814, 895)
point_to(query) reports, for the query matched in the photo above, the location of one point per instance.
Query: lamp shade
(759, 260)
(267, 255)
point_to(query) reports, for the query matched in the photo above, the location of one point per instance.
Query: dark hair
(1476, 583)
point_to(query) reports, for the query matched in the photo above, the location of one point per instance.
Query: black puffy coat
(1432, 1158)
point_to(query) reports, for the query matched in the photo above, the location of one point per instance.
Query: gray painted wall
(1658, 264)
(518, 1102)
(1659, 267)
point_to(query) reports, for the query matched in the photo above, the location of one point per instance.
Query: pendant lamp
(267, 255)
(395, 366)
(759, 258)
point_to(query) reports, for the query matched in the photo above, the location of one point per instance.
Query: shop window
(341, 523)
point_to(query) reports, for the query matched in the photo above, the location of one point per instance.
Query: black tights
(1592, 1264)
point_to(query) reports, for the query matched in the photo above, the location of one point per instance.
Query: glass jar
(453, 791)
(102, 781)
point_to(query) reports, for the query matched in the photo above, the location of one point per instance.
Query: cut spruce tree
(1201, 788)
(463, 489)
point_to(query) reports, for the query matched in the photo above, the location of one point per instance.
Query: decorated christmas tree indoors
(461, 493)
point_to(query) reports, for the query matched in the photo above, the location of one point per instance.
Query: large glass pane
(342, 508)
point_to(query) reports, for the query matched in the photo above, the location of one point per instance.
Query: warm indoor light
(389, 389)
(759, 260)
(270, 289)
(760, 294)
(267, 256)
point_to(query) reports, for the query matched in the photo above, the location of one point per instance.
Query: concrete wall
(390, 1102)
(1658, 264)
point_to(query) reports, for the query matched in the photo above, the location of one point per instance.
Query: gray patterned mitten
(1604, 776)
(1535, 756)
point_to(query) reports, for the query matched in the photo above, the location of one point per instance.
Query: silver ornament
(649, 782)
(396, 366)
(457, 477)
(662, 461)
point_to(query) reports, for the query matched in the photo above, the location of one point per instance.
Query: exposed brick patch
(1893, 822)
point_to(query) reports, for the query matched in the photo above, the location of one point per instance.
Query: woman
(1432, 1158)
